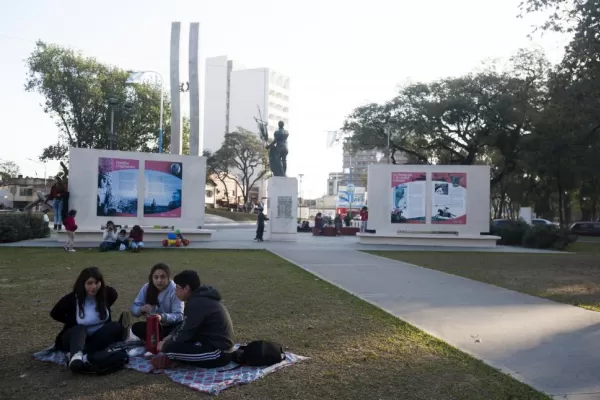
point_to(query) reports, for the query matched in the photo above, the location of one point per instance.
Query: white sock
(85, 360)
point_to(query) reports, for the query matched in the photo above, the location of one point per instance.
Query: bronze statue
(278, 151)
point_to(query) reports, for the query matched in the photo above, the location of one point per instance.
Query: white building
(234, 95)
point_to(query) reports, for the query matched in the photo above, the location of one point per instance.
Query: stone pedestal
(282, 208)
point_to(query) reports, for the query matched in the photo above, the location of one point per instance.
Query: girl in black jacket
(86, 315)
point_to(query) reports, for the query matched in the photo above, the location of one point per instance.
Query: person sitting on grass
(109, 237)
(136, 239)
(157, 297)
(87, 318)
(122, 242)
(205, 338)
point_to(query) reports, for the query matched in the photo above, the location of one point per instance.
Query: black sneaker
(76, 363)
(125, 322)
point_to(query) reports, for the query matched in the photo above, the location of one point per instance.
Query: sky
(338, 55)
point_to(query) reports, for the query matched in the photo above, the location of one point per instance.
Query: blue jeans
(57, 207)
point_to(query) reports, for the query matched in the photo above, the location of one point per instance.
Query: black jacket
(65, 311)
(205, 320)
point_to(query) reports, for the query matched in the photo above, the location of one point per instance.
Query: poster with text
(449, 198)
(408, 197)
(163, 189)
(117, 193)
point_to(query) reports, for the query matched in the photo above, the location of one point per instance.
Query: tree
(219, 165)
(76, 92)
(8, 169)
(245, 157)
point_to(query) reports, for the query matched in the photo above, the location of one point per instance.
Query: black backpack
(105, 362)
(259, 353)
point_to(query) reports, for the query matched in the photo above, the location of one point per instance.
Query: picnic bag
(106, 362)
(259, 353)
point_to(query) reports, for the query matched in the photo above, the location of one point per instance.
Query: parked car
(586, 228)
(535, 221)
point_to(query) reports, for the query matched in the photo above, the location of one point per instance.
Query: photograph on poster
(117, 191)
(408, 197)
(162, 198)
(449, 198)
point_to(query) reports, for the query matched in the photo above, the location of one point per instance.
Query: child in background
(136, 239)
(122, 243)
(70, 227)
(109, 237)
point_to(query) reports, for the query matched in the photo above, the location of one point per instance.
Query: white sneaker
(76, 363)
(72, 250)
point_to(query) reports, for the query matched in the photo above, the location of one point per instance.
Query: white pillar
(195, 115)
(175, 93)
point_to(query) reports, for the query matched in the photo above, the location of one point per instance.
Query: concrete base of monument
(429, 239)
(151, 235)
(282, 237)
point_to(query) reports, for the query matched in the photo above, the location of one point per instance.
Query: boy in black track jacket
(205, 337)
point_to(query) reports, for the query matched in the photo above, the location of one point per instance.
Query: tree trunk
(560, 199)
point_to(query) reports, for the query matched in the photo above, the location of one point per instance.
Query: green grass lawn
(563, 277)
(235, 216)
(357, 350)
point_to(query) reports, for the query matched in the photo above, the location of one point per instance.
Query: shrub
(22, 226)
(548, 237)
(511, 232)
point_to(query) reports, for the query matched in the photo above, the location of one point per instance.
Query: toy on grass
(176, 239)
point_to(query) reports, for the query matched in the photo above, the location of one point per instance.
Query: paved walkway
(553, 347)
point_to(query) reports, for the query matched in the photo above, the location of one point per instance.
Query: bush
(511, 232)
(548, 237)
(22, 226)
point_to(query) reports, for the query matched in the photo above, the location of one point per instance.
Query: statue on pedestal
(278, 149)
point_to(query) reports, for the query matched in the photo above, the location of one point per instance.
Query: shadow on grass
(357, 350)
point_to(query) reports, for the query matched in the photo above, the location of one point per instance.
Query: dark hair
(123, 231)
(72, 213)
(110, 223)
(152, 291)
(187, 278)
(137, 228)
(80, 293)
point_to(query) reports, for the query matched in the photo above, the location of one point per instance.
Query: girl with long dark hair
(86, 315)
(158, 297)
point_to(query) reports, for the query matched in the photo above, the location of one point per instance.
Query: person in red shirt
(70, 227)
(57, 191)
(364, 217)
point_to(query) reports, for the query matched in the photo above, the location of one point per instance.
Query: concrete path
(553, 347)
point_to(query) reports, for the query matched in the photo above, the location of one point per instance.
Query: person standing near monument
(57, 191)
(260, 224)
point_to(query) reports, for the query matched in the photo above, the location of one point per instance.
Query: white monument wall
(282, 208)
(476, 199)
(84, 192)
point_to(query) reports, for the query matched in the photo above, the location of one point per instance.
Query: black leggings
(76, 338)
(139, 330)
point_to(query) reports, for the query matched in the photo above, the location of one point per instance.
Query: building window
(209, 193)
(25, 192)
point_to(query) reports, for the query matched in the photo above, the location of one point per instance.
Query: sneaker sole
(76, 365)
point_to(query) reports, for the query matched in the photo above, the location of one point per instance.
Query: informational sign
(408, 197)
(284, 207)
(162, 198)
(351, 194)
(117, 190)
(449, 198)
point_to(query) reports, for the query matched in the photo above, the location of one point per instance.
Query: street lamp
(300, 196)
(135, 77)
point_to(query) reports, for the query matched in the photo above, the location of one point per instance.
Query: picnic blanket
(211, 381)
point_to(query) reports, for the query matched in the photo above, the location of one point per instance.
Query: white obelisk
(195, 109)
(175, 93)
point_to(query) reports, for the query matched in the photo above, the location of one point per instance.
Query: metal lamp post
(135, 76)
